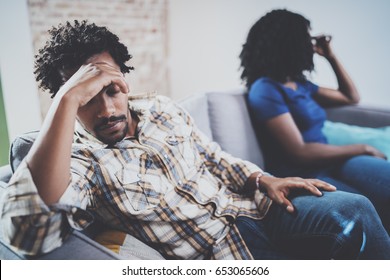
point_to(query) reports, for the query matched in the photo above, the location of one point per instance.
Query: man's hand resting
(278, 189)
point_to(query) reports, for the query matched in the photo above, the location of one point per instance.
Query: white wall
(16, 69)
(206, 37)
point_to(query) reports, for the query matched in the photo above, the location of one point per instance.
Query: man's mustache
(108, 121)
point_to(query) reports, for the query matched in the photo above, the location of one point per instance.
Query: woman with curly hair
(287, 110)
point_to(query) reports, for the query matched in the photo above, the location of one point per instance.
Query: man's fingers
(280, 199)
(324, 185)
(121, 83)
(312, 185)
(285, 203)
(306, 184)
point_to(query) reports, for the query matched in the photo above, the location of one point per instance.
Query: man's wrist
(259, 185)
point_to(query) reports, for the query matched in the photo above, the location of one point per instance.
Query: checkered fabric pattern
(170, 187)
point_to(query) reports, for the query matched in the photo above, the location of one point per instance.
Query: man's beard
(115, 137)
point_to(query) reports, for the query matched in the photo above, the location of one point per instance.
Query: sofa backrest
(197, 106)
(227, 121)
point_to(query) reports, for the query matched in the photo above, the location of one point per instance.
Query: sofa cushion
(343, 134)
(197, 107)
(231, 125)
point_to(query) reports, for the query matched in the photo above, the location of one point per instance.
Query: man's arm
(244, 176)
(233, 171)
(49, 157)
(32, 220)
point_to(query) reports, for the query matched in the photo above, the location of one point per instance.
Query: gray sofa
(224, 117)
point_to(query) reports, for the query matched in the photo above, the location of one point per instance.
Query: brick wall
(140, 24)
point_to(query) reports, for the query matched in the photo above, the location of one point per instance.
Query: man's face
(106, 116)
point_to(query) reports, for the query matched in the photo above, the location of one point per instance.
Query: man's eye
(112, 90)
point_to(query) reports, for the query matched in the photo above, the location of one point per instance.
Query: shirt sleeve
(32, 227)
(233, 171)
(266, 101)
(310, 87)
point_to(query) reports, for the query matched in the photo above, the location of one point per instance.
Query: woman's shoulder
(265, 82)
(309, 86)
(265, 87)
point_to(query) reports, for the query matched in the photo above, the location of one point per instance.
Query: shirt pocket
(183, 147)
(139, 191)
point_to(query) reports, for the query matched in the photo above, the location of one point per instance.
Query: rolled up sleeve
(31, 226)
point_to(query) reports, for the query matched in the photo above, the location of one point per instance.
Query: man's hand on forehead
(92, 78)
(118, 83)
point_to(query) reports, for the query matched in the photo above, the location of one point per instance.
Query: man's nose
(106, 107)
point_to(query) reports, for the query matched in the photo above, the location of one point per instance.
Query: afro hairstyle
(69, 46)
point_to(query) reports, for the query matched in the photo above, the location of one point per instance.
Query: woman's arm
(287, 134)
(347, 92)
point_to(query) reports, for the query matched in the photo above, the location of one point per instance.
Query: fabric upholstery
(80, 247)
(197, 107)
(366, 116)
(344, 134)
(231, 126)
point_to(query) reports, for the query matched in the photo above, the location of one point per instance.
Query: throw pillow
(344, 134)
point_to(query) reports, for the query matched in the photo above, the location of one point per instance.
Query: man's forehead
(103, 57)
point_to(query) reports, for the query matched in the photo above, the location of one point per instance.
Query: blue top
(268, 99)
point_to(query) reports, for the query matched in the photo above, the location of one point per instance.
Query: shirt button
(166, 156)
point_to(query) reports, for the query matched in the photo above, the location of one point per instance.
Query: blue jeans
(365, 175)
(338, 225)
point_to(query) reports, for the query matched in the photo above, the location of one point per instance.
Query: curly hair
(278, 46)
(70, 46)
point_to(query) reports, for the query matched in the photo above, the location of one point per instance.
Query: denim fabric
(337, 225)
(366, 175)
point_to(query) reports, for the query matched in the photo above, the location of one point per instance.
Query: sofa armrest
(76, 247)
(80, 247)
(360, 115)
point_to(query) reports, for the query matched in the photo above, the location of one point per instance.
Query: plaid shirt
(170, 187)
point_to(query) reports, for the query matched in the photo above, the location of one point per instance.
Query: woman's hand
(371, 151)
(278, 189)
(321, 45)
